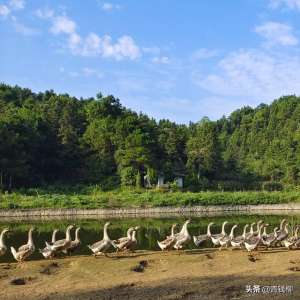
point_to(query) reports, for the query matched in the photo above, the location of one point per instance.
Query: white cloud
(161, 60)
(92, 44)
(45, 13)
(92, 72)
(17, 4)
(204, 53)
(253, 75)
(23, 29)
(291, 4)
(124, 48)
(277, 34)
(152, 50)
(62, 24)
(4, 11)
(107, 6)
(84, 72)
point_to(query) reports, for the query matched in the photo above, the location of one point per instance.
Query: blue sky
(180, 60)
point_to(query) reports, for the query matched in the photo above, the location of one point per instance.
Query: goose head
(208, 228)
(5, 230)
(223, 227)
(70, 227)
(232, 230)
(107, 224)
(283, 221)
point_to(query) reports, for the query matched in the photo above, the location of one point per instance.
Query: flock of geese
(251, 240)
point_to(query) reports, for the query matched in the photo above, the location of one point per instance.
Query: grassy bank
(95, 198)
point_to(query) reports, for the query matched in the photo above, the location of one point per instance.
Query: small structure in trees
(179, 180)
(147, 181)
(160, 180)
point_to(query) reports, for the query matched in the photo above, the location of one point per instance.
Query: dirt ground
(203, 274)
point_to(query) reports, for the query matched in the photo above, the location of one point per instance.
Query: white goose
(26, 250)
(252, 243)
(133, 242)
(269, 239)
(198, 240)
(183, 237)
(75, 244)
(238, 241)
(102, 246)
(63, 244)
(257, 227)
(47, 252)
(123, 241)
(225, 240)
(215, 238)
(129, 243)
(3, 247)
(251, 232)
(289, 242)
(169, 242)
(283, 233)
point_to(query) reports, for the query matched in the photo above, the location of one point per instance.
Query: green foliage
(129, 176)
(95, 197)
(58, 140)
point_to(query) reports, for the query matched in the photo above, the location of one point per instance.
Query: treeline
(46, 138)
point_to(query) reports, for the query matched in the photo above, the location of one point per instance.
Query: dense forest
(46, 138)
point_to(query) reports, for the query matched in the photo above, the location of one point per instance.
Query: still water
(151, 229)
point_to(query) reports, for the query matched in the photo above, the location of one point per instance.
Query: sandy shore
(202, 274)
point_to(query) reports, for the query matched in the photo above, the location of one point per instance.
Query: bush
(271, 186)
(128, 176)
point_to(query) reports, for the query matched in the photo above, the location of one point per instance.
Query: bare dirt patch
(190, 275)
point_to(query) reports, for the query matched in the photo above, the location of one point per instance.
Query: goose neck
(2, 237)
(53, 236)
(259, 231)
(30, 240)
(68, 235)
(232, 232)
(105, 234)
(244, 232)
(133, 238)
(223, 228)
(208, 230)
(173, 230)
(77, 234)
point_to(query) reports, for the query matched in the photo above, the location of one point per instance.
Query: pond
(151, 229)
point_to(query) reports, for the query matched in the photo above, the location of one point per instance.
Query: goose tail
(13, 251)
(160, 245)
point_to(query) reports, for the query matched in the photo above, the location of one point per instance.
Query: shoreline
(153, 211)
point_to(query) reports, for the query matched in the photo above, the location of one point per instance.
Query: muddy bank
(152, 212)
(202, 274)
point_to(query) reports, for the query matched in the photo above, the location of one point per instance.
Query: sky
(174, 59)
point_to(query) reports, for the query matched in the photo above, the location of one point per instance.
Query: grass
(93, 197)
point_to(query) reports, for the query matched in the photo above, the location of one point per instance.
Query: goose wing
(121, 240)
(98, 246)
(58, 245)
(24, 248)
(238, 239)
(198, 240)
